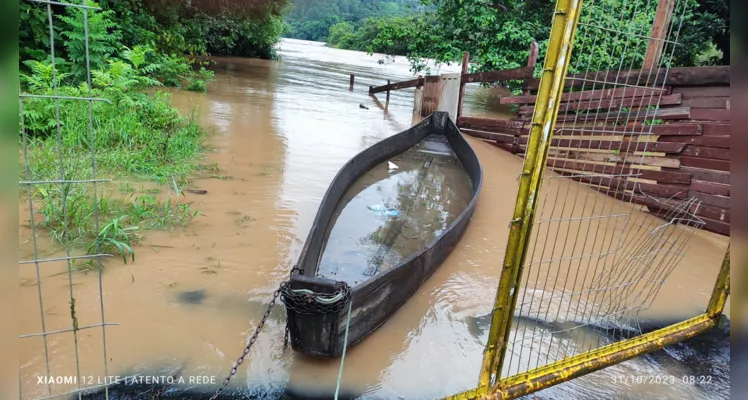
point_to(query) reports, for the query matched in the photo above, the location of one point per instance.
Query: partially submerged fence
(675, 150)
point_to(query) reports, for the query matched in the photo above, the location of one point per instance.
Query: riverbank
(98, 198)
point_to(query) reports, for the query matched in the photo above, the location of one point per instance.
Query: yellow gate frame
(490, 385)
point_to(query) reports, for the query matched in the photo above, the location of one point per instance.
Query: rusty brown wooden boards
(722, 142)
(432, 89)
(710, 114)
(493, 76)
(520, 128)
(707, 152)
(706, 102)
(710, 188)
(396, 86)
(711, 128)
(593, 95)
(632, 115)
(498, 137)
(618, 183)
(693, 92)
(630, 102)
(705, 163)
(710, 224)
(684, 76)
(489, 76)
(581, 145)
(700, 174)
(621, 169)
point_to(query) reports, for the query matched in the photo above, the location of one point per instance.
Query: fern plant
(102, 38)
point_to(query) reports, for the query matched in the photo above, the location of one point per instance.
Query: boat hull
(375, 300)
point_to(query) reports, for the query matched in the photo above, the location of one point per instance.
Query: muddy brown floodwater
(194, 295)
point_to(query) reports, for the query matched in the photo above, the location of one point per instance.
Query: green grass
(139, 140)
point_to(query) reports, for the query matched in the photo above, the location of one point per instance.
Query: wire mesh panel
(597, 257)
(53, 210)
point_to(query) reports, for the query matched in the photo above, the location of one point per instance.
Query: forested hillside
(312, 19)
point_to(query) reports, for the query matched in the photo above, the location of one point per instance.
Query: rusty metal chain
(252, 340)
(305, 303)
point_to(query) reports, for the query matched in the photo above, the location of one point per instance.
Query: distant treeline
(314, 19)
(498, 33)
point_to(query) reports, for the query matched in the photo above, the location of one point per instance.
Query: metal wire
(607, 259)
(64, 182)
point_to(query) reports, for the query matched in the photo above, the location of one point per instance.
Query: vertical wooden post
(465, 58)
(532, 60)
(350, 87)
(659, 33)
(387, 100)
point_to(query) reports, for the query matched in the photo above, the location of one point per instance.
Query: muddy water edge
(282, 129)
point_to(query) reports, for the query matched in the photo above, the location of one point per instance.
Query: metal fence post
(565, 20)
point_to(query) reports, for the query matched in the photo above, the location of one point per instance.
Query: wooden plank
(681, 76)
(669, 191)
(710, 188)
(707, 152)
(593, 95)
(713, 128)
(464, 70)
(705, 163)
(618, 158)
(634, 114)
(707, 175)
(659, 176)
(396, 86)
(710, 114)
(711, 199)
(497, 137)
(637, 129)
(506, 147)
(622, 145)
(630, 102)
(715, 213)
(489, 122)
(702, 91)
(711, 225)
(432, 92)
(722, 228)
(658, 34)
(706, 102)
(722, 142)
(495, 129)
(505, 75)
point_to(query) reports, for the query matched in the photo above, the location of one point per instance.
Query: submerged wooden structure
(318, 325)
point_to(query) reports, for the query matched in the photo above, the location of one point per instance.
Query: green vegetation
(135, 47)
(315, 19)
(498, 34)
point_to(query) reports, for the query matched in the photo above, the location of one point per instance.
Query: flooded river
(282, 129)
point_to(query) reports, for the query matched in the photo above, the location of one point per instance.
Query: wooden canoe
(320, 331)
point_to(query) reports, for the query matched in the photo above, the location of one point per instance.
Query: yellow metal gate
(575, 258)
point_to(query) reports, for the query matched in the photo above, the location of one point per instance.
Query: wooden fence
(679, 149)
(663, 154)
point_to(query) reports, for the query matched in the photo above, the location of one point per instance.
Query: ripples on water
(283, 130)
